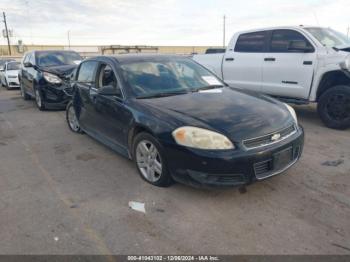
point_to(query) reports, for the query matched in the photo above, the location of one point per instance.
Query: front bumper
(55, 96)
(12, 82)
(229, 168)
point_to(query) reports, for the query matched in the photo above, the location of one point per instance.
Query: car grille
(268, 139)
(269, 167)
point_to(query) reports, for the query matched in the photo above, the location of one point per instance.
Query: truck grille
(270, 138)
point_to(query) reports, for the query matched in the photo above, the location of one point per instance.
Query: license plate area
(282, 159)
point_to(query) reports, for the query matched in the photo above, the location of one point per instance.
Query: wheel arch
(133, 132)
(330, 79)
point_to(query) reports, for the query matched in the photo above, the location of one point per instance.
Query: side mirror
(109, 91)
(300, 46)
(28, 64)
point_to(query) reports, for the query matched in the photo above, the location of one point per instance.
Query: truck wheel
(334, 107)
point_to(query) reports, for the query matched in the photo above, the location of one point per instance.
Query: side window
(251, 42)
(32, 59)
(281, 41)
(87, 71)
(26, 58)
(106, 77)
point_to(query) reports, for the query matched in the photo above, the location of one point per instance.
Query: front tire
(334, 107)
(72, 120)
(148, 155)
(39, 99)
(24, 94)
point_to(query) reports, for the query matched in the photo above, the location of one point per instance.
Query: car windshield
(329, 37)
(167, 77)
(58, 58)
(13, 66)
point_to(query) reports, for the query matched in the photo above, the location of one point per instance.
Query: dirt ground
(63, 193)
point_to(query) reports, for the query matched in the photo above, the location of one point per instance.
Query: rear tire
(148, 155)
(72, 120)
(334, 107)
(39, 99)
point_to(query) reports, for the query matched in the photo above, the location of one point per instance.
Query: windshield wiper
(207, 88)
(162, 95)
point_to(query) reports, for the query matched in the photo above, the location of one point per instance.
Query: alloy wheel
(149, 161)
(72, 119)
(38, 98)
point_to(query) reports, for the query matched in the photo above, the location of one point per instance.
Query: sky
(160, 22)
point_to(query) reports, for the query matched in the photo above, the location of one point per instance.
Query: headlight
(346, 63)
(292, 112)
(201, 138)
(51, 78)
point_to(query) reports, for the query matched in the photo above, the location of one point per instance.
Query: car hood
(237, 114)
(62, 71)
(12, 73)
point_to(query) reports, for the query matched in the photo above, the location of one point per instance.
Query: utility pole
(347, 35)
(224, 32)
(68, 35)
(7, 33)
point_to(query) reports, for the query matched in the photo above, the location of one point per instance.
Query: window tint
(87, 72)
(32, 59)
(281, 40)
(106, 77)
(26, 58)
(251, 42)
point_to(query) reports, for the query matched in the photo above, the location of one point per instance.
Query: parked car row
(173, 117)
(45, 76)
(9, 70)
(295, 64)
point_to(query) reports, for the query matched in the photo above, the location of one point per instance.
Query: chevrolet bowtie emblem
(275, 137)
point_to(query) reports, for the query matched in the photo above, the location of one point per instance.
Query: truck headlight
(51, 78)
(346, 63)
(201, 138)
(292, 112)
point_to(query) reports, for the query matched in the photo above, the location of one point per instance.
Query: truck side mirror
(300, 46)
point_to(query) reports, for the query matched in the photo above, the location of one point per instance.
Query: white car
(295, 64)
(9, 74)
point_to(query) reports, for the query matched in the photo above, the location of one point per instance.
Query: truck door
(243, 61)
(289, 64)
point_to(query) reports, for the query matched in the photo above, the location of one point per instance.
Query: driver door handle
(271, 59)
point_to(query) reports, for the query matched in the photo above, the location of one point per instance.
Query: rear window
(251, 42)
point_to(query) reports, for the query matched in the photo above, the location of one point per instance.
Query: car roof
(139, 57)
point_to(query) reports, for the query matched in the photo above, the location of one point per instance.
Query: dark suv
(45, 76)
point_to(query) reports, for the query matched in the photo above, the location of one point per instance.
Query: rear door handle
(229, 59)
(272, 59)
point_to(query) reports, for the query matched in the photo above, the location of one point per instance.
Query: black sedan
(178, 121)
(45, 76)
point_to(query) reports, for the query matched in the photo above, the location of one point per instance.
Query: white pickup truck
(295, 64)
